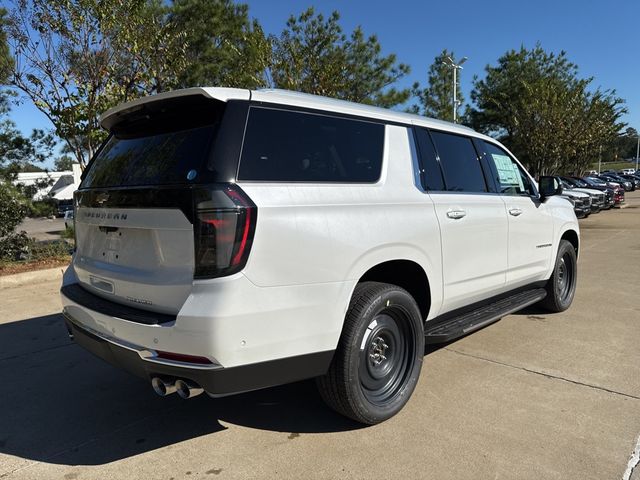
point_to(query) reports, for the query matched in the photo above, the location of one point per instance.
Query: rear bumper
(216, 380)
(253, 336)
(229, 320)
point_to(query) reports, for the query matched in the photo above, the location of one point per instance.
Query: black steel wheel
(379, 356)
(561, 287)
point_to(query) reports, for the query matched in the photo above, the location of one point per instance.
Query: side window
(287, 146)
(511, 177)
(432, 175)
(459, 161)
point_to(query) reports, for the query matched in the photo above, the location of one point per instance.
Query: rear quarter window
(288, 146)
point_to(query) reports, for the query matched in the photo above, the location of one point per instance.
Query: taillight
(224, 225)
(75, 211)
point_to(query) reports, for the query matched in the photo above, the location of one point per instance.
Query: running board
(468, 322)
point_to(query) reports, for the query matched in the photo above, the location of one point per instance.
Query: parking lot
(534, 396)
(42, 228)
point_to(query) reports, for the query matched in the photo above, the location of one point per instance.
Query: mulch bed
(18, 267)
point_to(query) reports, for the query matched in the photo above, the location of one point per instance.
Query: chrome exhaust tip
(188, 389)
(163, 386)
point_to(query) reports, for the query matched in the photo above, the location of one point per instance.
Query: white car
(68, 219)
(628, 171)
(230, 240)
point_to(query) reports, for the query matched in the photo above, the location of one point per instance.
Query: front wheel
(379, 356)
(561, 287)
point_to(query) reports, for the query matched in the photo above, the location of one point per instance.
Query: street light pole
(599, 159)
(637, 153)
(450, 63)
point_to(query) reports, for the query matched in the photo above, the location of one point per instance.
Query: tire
(561, 287)
(373, 383)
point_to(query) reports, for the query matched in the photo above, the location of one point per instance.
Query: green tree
(313, 55)
(13, 211)
(436, 98)
(624, 146)
(62, 66)
(535, 102)
(149, 49)
(224, 48)
(6, 59)
(63, 163)
(19, 153)
(77, 58)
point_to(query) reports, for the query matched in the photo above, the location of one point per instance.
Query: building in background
(59, 185)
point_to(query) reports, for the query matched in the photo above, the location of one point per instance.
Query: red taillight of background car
(224, 225)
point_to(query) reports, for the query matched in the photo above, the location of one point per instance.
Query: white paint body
(312, 244)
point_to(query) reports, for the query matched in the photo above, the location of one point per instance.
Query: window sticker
(508, 172)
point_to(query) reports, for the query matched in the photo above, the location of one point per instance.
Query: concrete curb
(36, 276)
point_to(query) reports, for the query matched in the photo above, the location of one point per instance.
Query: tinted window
(285, 146)
(460, 164)
(432, 175)
(511, 178)
(160, 159)
(579, 183)
(595, 181)
(158, 143)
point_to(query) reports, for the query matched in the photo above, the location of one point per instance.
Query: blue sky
(602, 38)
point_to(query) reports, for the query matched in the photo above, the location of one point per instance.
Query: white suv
(229, 240)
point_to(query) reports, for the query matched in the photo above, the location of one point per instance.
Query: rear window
(286, 146)
(158, 145)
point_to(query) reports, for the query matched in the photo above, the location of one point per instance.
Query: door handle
(456, 214)
(515, 211)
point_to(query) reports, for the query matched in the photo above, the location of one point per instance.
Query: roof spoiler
(113, 116)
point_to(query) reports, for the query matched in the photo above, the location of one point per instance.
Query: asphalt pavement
(42, 228)
(534, 396)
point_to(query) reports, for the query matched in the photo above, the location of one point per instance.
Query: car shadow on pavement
(62, 405)
(534, 312)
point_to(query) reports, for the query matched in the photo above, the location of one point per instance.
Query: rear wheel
(379, 356)
(561, 287)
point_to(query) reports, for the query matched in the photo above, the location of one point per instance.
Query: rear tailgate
(135, 207)
(139, 257)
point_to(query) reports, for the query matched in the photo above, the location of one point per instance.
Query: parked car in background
(628, 171)
(581, 202)
(597, 197)
(64, 206)
(633, 179)
(608, 192)
(611, 177)
(618, 191)
(68, 219)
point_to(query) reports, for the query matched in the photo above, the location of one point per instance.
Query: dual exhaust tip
(166, 386)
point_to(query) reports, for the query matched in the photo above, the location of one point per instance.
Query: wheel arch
(572, 237)
(406, 274)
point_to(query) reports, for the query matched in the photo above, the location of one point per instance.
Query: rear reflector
(223, 231)
(180, 357)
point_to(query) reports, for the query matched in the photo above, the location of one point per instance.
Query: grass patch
(68, 233)
(613, 166)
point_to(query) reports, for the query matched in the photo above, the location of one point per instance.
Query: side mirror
(549, 186)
